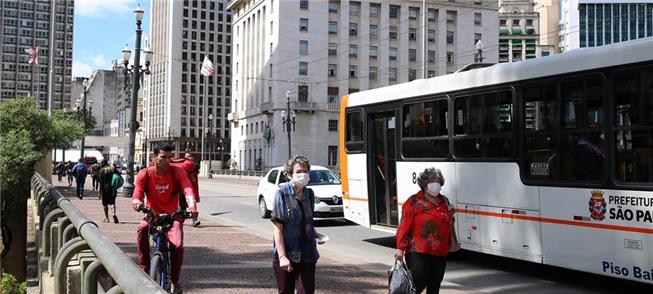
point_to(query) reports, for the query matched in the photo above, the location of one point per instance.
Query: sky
(100, 31)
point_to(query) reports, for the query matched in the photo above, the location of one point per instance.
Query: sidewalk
(223, 258)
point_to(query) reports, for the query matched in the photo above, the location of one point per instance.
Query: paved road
(233, 201)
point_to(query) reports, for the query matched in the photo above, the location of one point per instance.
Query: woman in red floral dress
(424, 232)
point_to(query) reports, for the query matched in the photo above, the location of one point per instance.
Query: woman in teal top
(295, 249)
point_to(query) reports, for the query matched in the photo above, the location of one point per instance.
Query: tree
(27, 135)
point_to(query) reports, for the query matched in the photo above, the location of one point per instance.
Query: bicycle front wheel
(159, 272)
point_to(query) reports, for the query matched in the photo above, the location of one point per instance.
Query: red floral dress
(425, 227)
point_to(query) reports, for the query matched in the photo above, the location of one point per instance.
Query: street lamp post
(208, 141)
(84, 115)
(136, 71)
(221, 151)
(288, 122)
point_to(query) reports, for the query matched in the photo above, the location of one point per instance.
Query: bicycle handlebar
(180, 212)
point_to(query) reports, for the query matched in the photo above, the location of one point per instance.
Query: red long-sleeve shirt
(162, 189)
(425, 227)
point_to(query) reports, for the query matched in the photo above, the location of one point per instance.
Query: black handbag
(400, 280)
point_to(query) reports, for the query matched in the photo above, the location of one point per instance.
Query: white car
(325, 184)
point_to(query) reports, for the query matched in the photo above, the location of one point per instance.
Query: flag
(33, 54)
(207, 67)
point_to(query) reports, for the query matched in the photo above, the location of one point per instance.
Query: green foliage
(9, 285)
(27, 134)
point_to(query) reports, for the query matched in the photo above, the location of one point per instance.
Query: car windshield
(323, 177)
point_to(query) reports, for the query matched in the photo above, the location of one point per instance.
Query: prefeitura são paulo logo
(597, 205)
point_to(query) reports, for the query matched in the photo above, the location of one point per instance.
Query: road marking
(248, 203)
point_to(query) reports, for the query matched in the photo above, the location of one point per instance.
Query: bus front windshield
(323, 177)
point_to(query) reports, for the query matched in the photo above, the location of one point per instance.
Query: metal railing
(67, 233)
(242, 173)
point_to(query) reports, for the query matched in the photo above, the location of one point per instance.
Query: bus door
(382, 169)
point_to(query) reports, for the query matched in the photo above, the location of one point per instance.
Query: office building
(518, 30)
(177, 98)
(591, 23)
(549, 11)
(319, 51)
(48, 27)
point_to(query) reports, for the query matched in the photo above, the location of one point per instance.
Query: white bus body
(603, 227)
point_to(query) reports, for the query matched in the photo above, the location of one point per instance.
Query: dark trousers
(427, 271)
(80, 185)
(96, 183)
(302, 274)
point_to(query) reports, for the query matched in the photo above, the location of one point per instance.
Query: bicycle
(160, 251)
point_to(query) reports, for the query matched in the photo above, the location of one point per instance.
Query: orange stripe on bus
(560, 221)
(342, 153)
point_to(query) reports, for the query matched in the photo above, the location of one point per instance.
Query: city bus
(548, 160)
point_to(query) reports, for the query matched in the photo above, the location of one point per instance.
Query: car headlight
(317, 200)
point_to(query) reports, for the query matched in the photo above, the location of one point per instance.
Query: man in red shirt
(162, 183)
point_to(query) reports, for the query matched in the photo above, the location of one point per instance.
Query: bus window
(354, 131)
(483, 125)
(633, 119)
(424, 129)
(563, 134)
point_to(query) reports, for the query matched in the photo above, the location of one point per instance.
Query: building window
(303, 68)
(332, 93)
(529, 22)
(333, 125)
(392, 74)
(412, 34)
(450, 58)
(333, 70)
(374, 32)
(353, 29)
(412, 54)
(392, 53)
(373, 71)
(303, 24)
(392, 32)
(374, 52)
(412, 74)
(431, 73)
(515, 22)
(431, 56)
(502, 22)
(394, 11)
(449, 37)
(303, 4)
(477, 2)
(353, 50)
(431, 35)
(333, 49)
(333, 27)
(352, 71)
(451, 16)
(477, 18)
(333, 6)
(354, 8)
(333, 155)
(302, 93)
(375, 8)
(432, 14)
(303, 47)
(413, 12)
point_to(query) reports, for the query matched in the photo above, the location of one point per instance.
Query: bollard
(63, 223)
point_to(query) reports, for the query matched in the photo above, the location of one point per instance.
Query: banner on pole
(207, 67)
(33, 54)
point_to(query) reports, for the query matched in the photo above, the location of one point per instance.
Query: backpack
(117, 181)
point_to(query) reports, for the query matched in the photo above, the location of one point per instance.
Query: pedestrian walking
(61, 170)
(425, 231)
(94, 171)
(80, 171)
(69, 172)
(105, 177)
(192, 170)
(295, 251)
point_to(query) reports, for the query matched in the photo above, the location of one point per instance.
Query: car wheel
(263, 209)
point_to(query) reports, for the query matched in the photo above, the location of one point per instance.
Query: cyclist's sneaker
(177, 291)
(196, 223)
(115, 219)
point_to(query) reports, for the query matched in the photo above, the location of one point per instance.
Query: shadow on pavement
(220, 213)
(384, 241)
(332, 223)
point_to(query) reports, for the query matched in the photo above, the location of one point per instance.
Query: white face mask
(433, 188)
(300, 180)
